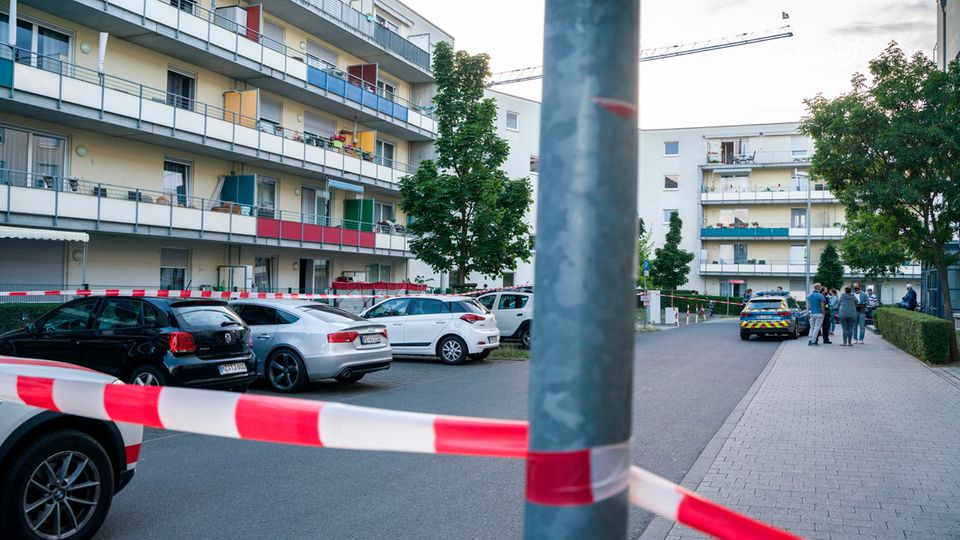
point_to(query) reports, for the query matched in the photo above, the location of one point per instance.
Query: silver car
(299, 341)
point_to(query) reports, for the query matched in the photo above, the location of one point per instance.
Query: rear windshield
(766, 304)
(205, 316)
(330, 314)
(467, 306)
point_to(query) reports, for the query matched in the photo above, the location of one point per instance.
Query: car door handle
(397, 324)
(263, 336)
(519, 314)
(439, 322)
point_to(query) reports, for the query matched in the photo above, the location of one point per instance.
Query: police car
(773, 313)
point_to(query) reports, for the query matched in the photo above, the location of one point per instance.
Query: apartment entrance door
(314, 275)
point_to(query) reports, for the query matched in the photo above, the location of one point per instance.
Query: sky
(765, 82)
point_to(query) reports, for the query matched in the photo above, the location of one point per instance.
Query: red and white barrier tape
(553, 478)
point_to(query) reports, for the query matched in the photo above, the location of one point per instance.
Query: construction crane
(659, 53)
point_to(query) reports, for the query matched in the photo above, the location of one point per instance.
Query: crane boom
(659, 53)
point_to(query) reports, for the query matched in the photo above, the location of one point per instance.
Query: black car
(145, 341)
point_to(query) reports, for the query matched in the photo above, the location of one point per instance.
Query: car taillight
(472, 318)
(249, 338)
(342, 337)
(385, 333)
(784, 313)
(181, 342)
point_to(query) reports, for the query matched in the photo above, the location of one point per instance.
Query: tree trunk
(947, 306)
(461, 276)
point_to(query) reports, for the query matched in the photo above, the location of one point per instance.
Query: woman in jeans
(834, 299)
(847, 309)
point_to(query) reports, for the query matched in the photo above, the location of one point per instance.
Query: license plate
(371, 339)
(765, 317)
(493, 339)
(231, 369)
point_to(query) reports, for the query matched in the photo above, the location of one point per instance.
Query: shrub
(923, 336)
(18, 315)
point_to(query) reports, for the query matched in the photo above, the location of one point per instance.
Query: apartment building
(211, 143)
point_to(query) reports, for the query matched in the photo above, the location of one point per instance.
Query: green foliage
(644, 253)
(830, 269)
(671, 264)
(888, 150)
(14, 316)
(923, 336)
(467, 215)
(872, 245)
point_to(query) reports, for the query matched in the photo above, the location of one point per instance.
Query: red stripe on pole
(36, 391)
(18, 293)
(134, 404)
(111, 292)
(132, 453)
(466, 436)
(244, 295)
(206, 294)
(138, 292)
(83, 292)
(721, 522)
(559, 478)
(185, 294)
(52, 293)
(163, 293)
(280, 420)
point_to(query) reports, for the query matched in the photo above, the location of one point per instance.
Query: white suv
(452, 327)
(59, 473)
(514, 312)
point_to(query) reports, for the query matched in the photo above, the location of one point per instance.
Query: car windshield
(773, 303)
(206, 316)
(329, 314)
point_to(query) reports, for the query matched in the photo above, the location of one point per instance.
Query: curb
(659, 527)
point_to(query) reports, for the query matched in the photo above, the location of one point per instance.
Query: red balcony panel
(290, 230)
(368, 239)
(269, 228)
(313, 233)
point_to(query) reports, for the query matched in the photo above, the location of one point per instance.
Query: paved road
(687, 382)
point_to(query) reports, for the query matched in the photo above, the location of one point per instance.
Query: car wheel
(285, 371)
(796, 330)
(744, 336)
(349, 379)
(452, 350)
(482, 355)
(147, 376)
(59, 486)
(525, 338)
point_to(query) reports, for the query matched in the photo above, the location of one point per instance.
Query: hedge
(18, 315)
(923, 336)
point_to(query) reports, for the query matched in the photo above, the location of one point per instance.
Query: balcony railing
(759, 157)
(766, 230)
(65, 82)
(150, 211)
(716, 192)
(780, 267)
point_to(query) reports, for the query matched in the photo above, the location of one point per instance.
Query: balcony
(70, 203)
(757, 159)
(72, 95)
(769, 267)
(204, 38)
(763, 195)
(770, 231)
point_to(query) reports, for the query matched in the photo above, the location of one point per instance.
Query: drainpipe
(943, 12)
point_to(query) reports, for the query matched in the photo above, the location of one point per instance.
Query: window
(726, 288)
(735, 217)
(798, 285)
(119, 313)
(798, 255)
(378, 272)
(266, 196)
(533, 242)
(321, 57)
(315, 206)
(535, 164)
(383, 153)
(487, 301)
(383, 22)
(799, 147)
(667, 214)
(176, 180)
(257, 315)
(48, 156)
(271, 113)
(512, 301)
(383, 212)
(173, 268)
(71, 317)
(181, 88)
(274, 36)
(671, 148)
(466, 306)
(153, 318)
(798, 218)
(387, 88)
(390, 308)
(39, 45)
(671, 181)
(185, 5)
(513, 121)
(426, 306)
(508, 279)
(263, 273)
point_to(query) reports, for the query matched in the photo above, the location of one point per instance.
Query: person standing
(827, 316)
(815, 306)
(834, 300)
(747, 296)
(872, 303)
(860, 329)
(848, 315)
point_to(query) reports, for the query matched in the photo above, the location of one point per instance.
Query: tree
(830, 269)
(466, 214)
(871, 245)
(644, 251)
(889, 150)
(671, 264)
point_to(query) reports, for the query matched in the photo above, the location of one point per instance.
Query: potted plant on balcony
(755, 225)
(713, 157)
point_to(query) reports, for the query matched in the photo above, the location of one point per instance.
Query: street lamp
(943, 45)
(806, 271)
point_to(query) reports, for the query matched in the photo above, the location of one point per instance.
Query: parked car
(297, 342)
(514, 312)
(777, 314)
(59, 473)
(454, 328)
(145, 341)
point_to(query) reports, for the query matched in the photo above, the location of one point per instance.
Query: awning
(344, 186)
(43, 234)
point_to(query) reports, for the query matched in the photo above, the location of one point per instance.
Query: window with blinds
(315, 124)
(321, 55)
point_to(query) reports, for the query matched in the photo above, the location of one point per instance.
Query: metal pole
(581, 391)
(806, 271)
(943, 10)
(83, 267)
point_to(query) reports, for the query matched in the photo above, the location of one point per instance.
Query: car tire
(744, 336)
(796, 330)
(482, 355)
(452, 350)
(147, 375)
(525, 337)
(349, 379)
(285, 371)
(88, 467)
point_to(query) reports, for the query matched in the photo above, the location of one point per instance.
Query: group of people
(850, 309)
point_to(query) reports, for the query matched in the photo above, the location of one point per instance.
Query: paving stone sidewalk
(844, 442)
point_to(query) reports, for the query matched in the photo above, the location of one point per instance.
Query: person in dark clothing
(827, 316)
(909, 300)
(848, 315)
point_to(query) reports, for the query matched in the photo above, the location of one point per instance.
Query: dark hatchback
(146, 341)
